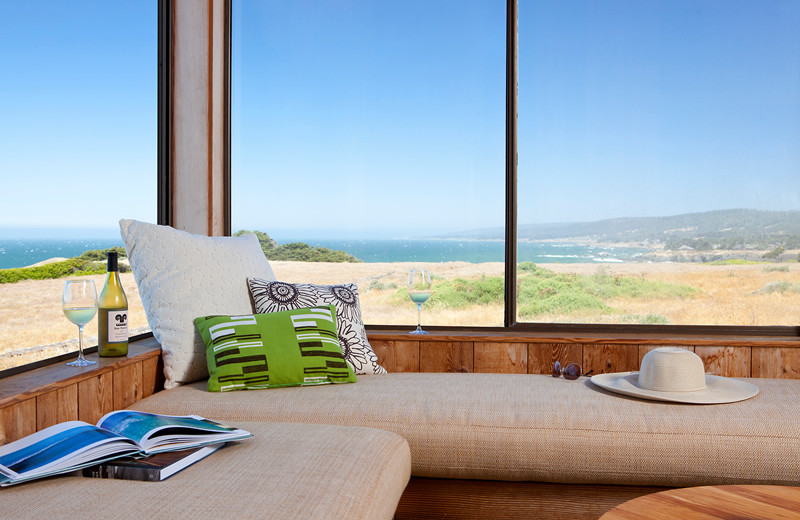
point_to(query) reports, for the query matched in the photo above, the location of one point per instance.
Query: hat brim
(718, 389)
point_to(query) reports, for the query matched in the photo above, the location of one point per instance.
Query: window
(78, 148)
(377, 129)
(658, 169)
(659, 162)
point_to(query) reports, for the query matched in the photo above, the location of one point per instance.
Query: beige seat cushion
(538, 428)
(286, 471)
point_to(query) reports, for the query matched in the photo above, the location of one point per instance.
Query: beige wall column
(200, 106)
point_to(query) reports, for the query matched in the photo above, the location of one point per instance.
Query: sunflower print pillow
(274, 296)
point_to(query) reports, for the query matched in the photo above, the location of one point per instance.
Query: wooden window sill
(441, 334)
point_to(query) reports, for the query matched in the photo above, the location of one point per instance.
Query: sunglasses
(572, 371)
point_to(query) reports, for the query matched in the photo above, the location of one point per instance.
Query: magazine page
(63, 447)
(156, 433)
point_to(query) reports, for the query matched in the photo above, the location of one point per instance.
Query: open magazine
(73, 445)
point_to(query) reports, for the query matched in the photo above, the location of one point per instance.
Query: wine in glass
(419, 290)
(80, 306)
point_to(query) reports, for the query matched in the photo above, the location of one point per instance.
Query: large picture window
(78, 153)
(654, 168)
(375, 130)
(659, 162)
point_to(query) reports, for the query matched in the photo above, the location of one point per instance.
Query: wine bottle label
(117, 326)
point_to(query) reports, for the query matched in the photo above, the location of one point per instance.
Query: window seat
(56, 393)
(528, 428)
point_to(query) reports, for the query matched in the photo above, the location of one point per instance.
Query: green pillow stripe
(288, 348)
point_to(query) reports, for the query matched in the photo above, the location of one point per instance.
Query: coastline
(541, 251)
(727, 294)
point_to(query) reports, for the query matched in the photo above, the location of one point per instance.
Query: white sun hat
(677, 375)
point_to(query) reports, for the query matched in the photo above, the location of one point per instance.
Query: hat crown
(672, 369)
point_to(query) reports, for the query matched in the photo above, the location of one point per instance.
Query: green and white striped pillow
(288, 348)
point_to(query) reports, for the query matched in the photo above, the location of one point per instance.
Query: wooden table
(713, 502)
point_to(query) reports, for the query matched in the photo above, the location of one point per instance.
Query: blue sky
(645, 108)
(359, 117)
(78, 104)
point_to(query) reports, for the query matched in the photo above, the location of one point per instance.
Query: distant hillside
(297, 251)
(723, 229)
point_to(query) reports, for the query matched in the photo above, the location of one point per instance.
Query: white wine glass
(80, 305)
(419, 290)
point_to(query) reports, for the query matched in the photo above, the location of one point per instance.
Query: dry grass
(30, 311)
(380, 306)
(34, 327)
(729, 293)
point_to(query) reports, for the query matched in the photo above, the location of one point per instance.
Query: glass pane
(659, 162)
(78, 153)
(377, 129)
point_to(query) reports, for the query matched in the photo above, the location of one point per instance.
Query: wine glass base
(418, 331)
(81, 363)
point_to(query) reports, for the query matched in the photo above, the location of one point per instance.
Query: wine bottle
(112, 313)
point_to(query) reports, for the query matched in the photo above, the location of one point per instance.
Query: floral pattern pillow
(274, 296)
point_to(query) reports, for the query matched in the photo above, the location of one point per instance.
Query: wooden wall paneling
(606, 358)
(152, 376)
(17, 420)
(446, 356)
(127, 385)
(502, 358)
(406, 356)
(95, 397)
(57, 406)
(383, 349)
(397, 356)
(542, 356)
(725, 361)
(644, 349)
(776, 362)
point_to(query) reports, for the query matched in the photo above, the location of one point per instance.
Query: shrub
(733, 261)
(648, 319)
(775, 253)
(377, 285)
(560, 302)
(461, 293)
(298, 251)
(609, 287)
(100, 255)
(545, 292)
(73, 266)
(782, 286)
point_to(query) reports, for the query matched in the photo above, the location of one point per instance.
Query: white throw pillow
(182, 276)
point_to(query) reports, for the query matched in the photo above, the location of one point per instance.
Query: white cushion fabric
(182, 276)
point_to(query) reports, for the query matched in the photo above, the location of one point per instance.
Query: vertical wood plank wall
(33, 401)
(397, 353)
(40, 398)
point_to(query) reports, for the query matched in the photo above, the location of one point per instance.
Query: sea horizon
(20, 252)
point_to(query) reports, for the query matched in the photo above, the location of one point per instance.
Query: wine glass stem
(80, 343)
(419, 316)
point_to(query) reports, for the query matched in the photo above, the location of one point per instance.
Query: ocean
(22, 252)
(25, 252)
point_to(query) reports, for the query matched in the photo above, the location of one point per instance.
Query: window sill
(444, 334)
(31, 383)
